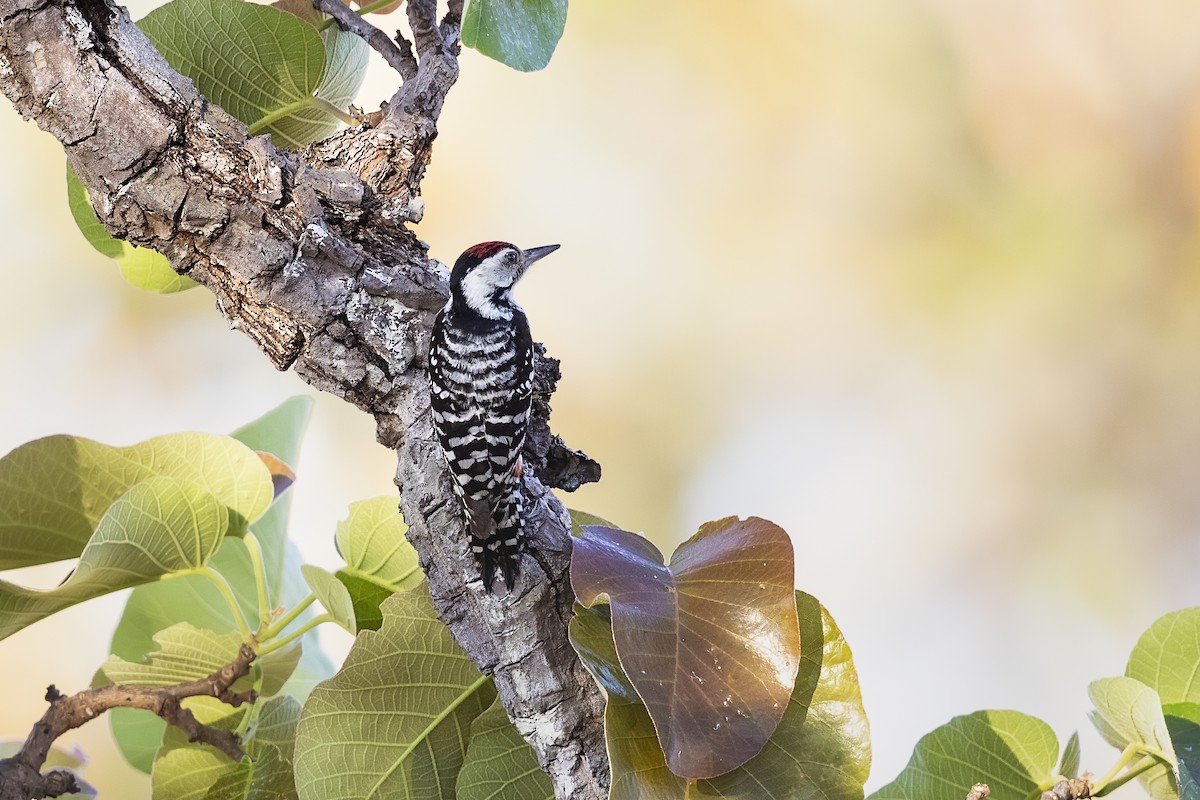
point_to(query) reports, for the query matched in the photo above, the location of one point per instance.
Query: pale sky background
(919, 282)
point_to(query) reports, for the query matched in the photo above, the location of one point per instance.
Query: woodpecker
(481, 383)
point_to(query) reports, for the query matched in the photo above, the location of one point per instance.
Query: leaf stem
(367, 9)
(334, 110)
(219, 581)
(1127, 755)
(1147, 762)
(275, 644)
(271, 631)
(251, 714)
(260, 577)
(267, 120)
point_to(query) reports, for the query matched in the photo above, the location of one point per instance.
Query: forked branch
(21, 777)
(398, 58)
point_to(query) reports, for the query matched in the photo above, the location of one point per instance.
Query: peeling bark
(307, 253)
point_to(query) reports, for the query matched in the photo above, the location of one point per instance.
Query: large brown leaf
(710, 643)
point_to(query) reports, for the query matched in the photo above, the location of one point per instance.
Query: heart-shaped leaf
(379, 559)
(499, 763)
(391, 723)
(710, 643)
(159, 527)
(268, 68)
(1013, 753)
(53, 491)
(821, 748)
(519, 33)
(1167, 657)
(1128, 712)
(185, 653)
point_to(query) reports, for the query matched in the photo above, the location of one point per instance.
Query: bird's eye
(511, 257)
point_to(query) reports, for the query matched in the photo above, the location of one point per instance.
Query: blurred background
(919, 282)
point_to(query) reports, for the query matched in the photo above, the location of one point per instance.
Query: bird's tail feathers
(496, 538)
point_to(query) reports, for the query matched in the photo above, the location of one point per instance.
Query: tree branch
(308, 253)
(1074, 789)
(21, 777)
(396, 57)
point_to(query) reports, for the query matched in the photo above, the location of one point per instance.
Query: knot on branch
(1074, 789)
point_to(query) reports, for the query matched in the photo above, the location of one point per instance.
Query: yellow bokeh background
(917, 281)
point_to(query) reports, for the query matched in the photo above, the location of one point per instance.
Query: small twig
(979, 791)
(1074, 789)
(20, 776)
(454, 13)
(398, 59)
(422, 18)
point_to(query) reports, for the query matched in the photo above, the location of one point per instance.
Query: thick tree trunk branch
(308, 254)
(21, 777)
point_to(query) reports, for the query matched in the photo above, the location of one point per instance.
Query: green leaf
(710, 643)
(331, 594)
(392, 723)
(139, 734)
(268, 68)
(193, 599)
(54, 491)
(346, 59)
(193, 772)
(499, 763)
(185, 653)
(269, 773)
(1068, 765)
(186, 771)
(1183, 723)
(268, 776)
(346, 54)
(141, 266)
(821, 749)
(519, 33)
(1128, 712)
(159, 527)
(1167, 657)
(278, 719)
(280, 431)
(148, 269)
(379, 559)
(1013, 753)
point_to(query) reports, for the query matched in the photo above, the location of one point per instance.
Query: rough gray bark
(308, 254)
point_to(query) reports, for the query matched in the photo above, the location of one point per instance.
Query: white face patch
(480, 284)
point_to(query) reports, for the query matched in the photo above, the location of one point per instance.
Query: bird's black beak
(537, 253)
